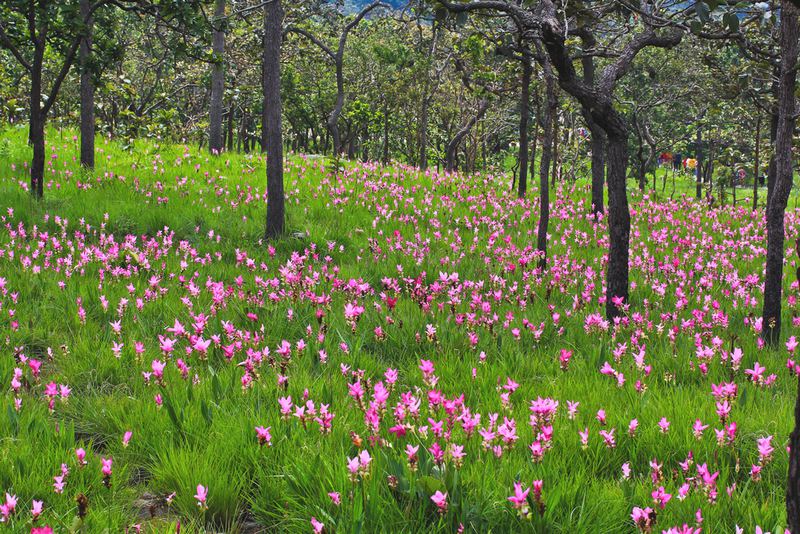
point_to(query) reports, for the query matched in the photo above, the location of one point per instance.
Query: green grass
(204, 431)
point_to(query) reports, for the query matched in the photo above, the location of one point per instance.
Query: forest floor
(403, 358)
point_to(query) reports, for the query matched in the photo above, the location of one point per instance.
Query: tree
(544, 21)
(337, 57)
(28, 30)
(273, 138)
(218, 25)
(87, 88)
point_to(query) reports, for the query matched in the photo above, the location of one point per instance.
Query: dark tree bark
(385, 131)
(756, 169)
(598, 136)
(215, 141)
(773, 133)
(524, 118)
(455, 142)
(776, 207)
(556, 134)
(776, 204)
(698, 170)
(426, 102)
(87, 89)
(550, 109)
(273, 142)
(36, 122)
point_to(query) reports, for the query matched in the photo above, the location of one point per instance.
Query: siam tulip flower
(520, 498)
(58, 484)
(106, 470)
(263, 435)
(201, 496)
(644, 519)
(572, 409)
(126, 438)
(80, 454)
(663, 424)
(632, 427)
(440, 500)
(626, 471)
(765, 449)
(36, 509)
(564, 359)
(661, 497)
(608, 437)
(8, 507)
(698, 428)
(584, 434)
(335, 498)
(316, 525)
(601, 416)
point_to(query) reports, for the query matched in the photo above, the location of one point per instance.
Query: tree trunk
(555, 140)
(385, 131)
(37, 120)
(273, 21)
(598, 145)
(619, 224)
(756, 169)
(550, 109)
(452, 146)
(87, 90)
(776, 207)
(426, 101)
(524, 117)
(333, 118)
(698, 170)
(773, 133)
(215, 142)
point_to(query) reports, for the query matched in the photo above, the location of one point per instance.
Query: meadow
(396, 363)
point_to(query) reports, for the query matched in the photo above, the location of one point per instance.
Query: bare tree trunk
(773, 134)
(555, 140)
(455, 142)
(524, 117)
(426, 101)
(776, 205)
(215, 143)
(37, 119)
(550, 109)
(756, 169)
(87, 90)
(273, 21)
(619, 224)
(699, 162)
(385, 131)
(776, 208)
(598, 145)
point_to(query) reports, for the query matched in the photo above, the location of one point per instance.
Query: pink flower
(126, 438)
(335, 498)
(316, 525)
(520, 496)
(36, 509)
(201, 496)
(106, 466)
(663, 424)
(263, 435)
(440, 500)
(661, 497)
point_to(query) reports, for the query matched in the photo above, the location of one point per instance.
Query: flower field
(398, 363)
